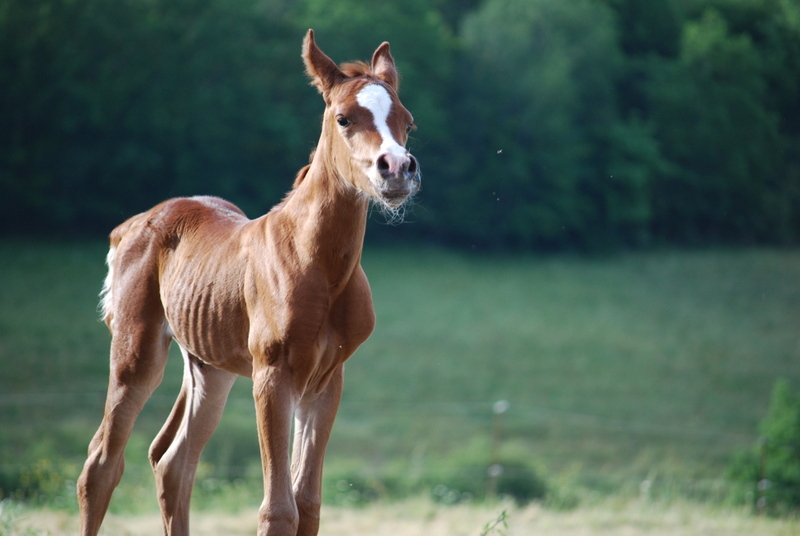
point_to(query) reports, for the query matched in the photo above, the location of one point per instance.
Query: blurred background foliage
(588, 125)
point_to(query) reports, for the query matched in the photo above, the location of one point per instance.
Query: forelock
(356, 69)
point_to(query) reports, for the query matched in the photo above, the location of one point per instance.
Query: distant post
(763, 482)
(499, 409)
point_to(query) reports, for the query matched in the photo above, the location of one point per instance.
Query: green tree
(113, 106)
(723, 142)
(542, 124)
(540, 104)
(770, 472)
(648, 26)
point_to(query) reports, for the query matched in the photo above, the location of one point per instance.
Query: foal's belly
(206, 314)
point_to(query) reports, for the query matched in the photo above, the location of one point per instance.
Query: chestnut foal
(281, 299)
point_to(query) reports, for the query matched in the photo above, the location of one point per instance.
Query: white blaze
(376, 99)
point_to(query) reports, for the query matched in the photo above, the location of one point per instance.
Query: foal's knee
(309, 516)
(278, 519)
(308, 507)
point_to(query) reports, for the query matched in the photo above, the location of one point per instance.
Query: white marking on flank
(376, 99)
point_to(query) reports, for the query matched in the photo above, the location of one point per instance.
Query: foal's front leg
(313, 422)
(275, 398)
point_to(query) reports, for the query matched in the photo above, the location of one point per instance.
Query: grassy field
(415, 517)
(628, 375)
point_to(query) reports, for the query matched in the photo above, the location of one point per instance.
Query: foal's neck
(327, 216)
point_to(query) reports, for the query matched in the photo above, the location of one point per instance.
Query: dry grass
(418, 517)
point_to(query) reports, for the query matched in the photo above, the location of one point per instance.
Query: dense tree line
(542, 124)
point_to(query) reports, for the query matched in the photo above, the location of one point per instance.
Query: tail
(106, 297)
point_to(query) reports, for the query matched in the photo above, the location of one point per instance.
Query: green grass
(605, 362)
(648, 366)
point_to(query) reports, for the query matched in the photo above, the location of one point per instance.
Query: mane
(357, 69)
(304, 170)
(301, 175)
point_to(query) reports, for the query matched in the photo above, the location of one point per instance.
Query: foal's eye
(342, 121)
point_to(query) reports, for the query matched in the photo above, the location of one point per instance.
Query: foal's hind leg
(138, 355)
(176, 450)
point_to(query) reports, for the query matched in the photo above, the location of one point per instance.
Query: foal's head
(365, 124)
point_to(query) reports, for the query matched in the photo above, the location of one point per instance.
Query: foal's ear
(323, 71)
(383, 66)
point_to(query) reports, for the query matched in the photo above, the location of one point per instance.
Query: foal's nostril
(383, 164)
(412, 166)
